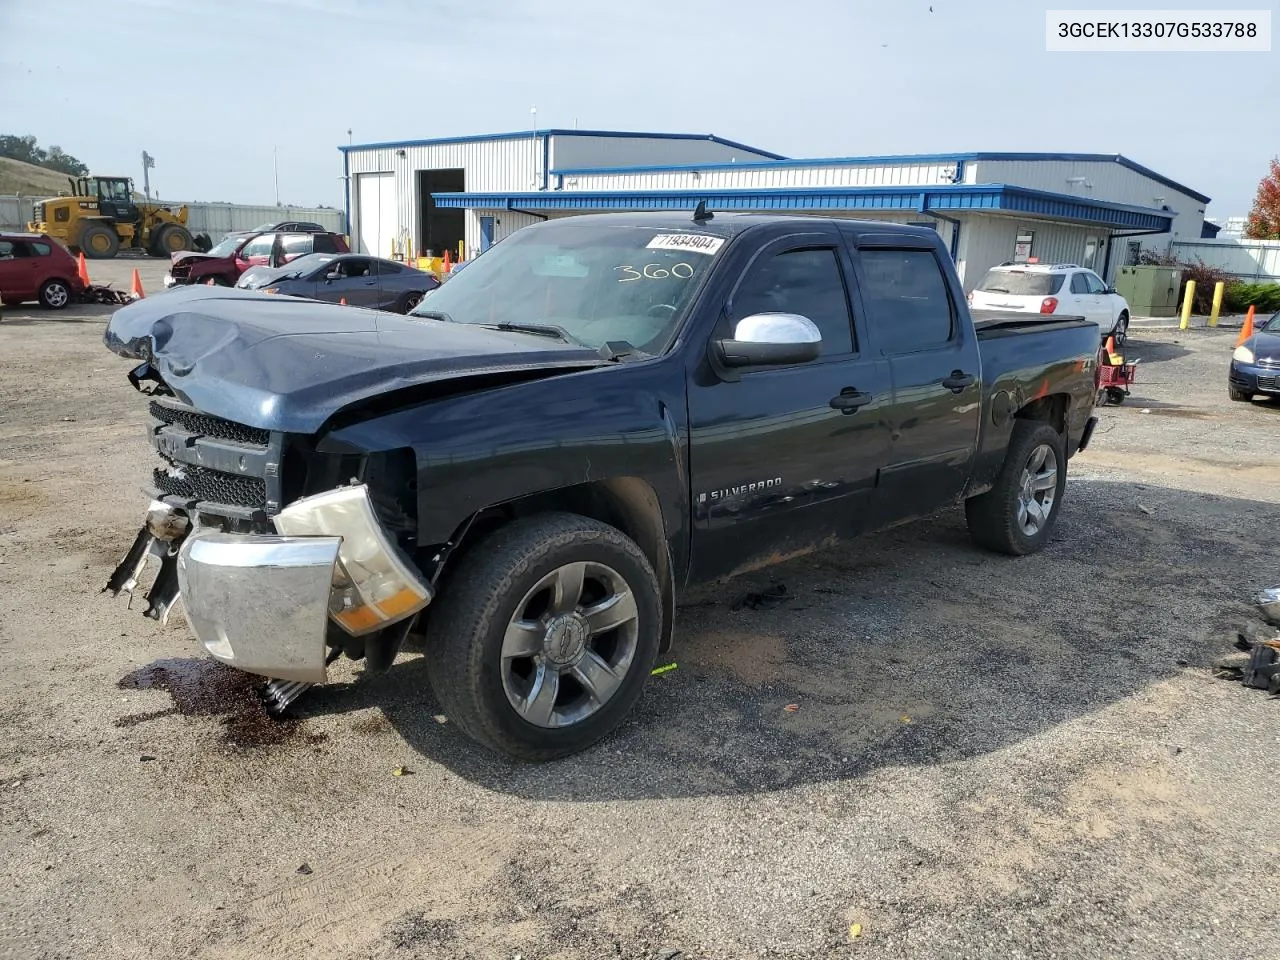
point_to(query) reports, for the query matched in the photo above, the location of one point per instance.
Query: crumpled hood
(1266, 346)
(282, 363)
(181, 256)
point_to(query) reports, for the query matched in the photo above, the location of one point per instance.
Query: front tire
(55, 295)
(545, 636)
(99, 242)
(1238, 395)
(1017, 515)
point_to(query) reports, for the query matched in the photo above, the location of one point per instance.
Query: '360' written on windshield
(595, 284)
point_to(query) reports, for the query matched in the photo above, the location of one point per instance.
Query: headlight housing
(374, 585)
(1243, 354)
(269, 290)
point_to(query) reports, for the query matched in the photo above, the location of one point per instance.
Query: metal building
(390, 186)
(1092, 209)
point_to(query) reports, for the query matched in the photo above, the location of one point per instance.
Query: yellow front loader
(101, 216)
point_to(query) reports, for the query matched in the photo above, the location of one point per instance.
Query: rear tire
(501, 602)
(55, 295)
(1003, 519)
(1122, 329)
(99, 242)
(1240, 396)
(169, 239)
(408, 302)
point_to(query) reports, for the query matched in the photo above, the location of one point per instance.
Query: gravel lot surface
(989, 757)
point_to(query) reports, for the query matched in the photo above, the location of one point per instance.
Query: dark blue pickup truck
(523, 473)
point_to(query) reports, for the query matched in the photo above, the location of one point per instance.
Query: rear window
(323, 243)
(1021, 283)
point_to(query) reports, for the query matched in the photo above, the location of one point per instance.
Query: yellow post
(1218, 289)
(462, 246)
(1187, 299)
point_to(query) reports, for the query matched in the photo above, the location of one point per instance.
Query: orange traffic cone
(446, 263)
(83, 270)
(1246, 331)
(342, 301)
(1113, 358)
(135, 287)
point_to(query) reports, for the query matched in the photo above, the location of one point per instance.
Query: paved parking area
(990, 757)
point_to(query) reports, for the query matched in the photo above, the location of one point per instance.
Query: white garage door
(376, 213)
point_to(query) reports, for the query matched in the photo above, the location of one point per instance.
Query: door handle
(849, 400)
(370, 283)
(958, 381)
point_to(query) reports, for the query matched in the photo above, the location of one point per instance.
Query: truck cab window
(907, 298)
(805, 282)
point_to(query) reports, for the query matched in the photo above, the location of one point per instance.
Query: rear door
(917, 322)
(1104, 304)
(13, 281)
(390, 283)
(785, 459)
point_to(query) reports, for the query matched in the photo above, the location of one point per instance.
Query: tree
(28, 151)
(64, 162)
(21, 148)
(1264, 218)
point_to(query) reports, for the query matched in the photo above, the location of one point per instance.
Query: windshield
(226, 247)
(1273, 325)
(1021, 283)
(264, 227)
(596, 283)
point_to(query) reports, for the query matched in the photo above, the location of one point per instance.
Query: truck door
(920, 326)
(784, 459)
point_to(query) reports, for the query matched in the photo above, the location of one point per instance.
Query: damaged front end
(263, 603)
(277, 592)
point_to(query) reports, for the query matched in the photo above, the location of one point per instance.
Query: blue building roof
(554, 132)
(990, 197)
(786, 163)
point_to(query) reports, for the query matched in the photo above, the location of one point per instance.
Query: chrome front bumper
(261, 602)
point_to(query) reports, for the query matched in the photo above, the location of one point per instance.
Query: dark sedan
(361, 281)
(1255, 366)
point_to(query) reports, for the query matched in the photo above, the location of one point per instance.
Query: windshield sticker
(692, 242)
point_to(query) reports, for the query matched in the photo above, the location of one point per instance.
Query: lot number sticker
(691, 242)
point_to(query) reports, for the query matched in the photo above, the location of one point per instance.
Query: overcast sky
(211, 88)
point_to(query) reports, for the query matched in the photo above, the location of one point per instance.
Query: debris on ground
(855, 931)
(1269, 603)
(305, 870)
(769, 597)
(401, 772)
(1256, 666)
(1145, 509)
(97, 293)
(659, 671)
(791, 707)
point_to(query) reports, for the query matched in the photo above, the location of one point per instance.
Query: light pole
(147, 163)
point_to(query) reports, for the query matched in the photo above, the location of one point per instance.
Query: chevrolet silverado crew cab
(521, 475)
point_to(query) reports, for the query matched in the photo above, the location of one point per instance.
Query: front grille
(202, 483)
(204, 425)
(1268, 383)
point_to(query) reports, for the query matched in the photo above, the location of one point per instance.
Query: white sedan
(1053, 290)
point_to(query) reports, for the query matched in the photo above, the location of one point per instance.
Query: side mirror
(1111, 289)
(769, 339)
(332, 275)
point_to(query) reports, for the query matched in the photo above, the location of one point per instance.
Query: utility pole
(147, 163)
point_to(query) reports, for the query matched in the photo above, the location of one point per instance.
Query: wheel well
(627, 503)
(1051, 409)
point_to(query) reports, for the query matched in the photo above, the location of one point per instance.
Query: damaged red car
(236, 253)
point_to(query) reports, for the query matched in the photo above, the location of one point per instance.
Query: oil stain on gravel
(205, 688)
